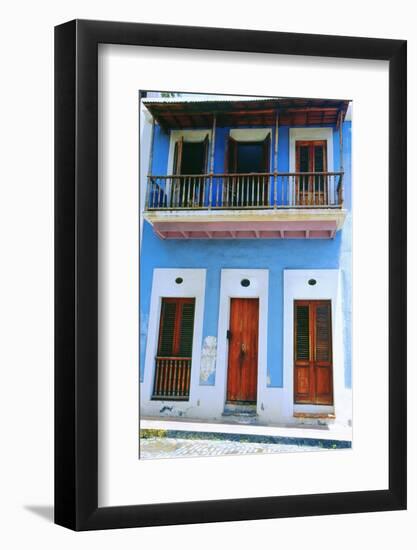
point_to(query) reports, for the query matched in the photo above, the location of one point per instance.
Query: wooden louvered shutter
(323, 333)
(323, 353)
(167, 328)
(176, 327)
(302, 333)
(266, 151)
(186, 330)
(313, 364)
(231, 156)
(302, 374)
(206, 168)
(230, 167)
(178, 156)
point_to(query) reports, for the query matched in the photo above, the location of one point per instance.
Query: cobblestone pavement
(165, 447)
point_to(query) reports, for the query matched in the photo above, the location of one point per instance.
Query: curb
(250, 438)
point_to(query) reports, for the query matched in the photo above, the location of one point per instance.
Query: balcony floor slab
(269, 224)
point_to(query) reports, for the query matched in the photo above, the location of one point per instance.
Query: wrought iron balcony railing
(245, 191)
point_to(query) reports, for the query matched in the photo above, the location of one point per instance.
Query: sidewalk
(212, 428)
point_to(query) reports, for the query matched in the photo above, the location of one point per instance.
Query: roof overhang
(255, 111)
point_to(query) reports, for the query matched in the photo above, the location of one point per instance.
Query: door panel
(313, 363)
(303, 381)
(311, 156)
(323, 385)
(243, 350)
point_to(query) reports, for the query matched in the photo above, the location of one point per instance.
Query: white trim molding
(190, 136)
(327, 287)
(312, 134)
(230, 287)
(254, 134)
(250, 134)
(164, 286)
(145, 151)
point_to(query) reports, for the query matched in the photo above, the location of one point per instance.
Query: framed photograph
(230, 252)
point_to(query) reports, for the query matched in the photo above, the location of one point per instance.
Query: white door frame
(230, 287)
(327, 287)
(311, 134)
(164, 286)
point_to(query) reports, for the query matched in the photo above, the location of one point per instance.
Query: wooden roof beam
(309, 109)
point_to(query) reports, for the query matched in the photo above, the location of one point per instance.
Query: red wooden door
(243, 350)
(313, 362)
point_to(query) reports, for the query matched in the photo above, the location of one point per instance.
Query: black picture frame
(76, 272)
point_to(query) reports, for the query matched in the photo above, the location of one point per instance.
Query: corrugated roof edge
(205, 100)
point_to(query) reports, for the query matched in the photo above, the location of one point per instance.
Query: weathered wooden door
(311, 156)
(313, 362)
(243, 350)
(190, 161)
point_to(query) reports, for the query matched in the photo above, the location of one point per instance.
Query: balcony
(279, 205)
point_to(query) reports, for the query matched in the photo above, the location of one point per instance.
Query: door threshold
(329, 416)
(239, 409)
(240, 403)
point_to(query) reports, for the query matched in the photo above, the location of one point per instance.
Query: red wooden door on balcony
(313, 362)
(247, 161)
(190, 161)
(311, 156)
(243, 350)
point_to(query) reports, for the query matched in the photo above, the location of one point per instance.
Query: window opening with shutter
(313, 362)
(190, 161)
(173, 360)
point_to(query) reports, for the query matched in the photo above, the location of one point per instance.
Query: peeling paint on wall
(208, 361)
(174, 411)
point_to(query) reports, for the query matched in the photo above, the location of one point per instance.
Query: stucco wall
(274, 255)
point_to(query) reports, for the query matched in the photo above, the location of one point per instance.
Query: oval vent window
(179, 280)
(245, 282)
(312, 282)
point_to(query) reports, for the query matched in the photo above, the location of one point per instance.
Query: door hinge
(228, 334)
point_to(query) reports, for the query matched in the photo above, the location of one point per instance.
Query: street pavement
(165, 447)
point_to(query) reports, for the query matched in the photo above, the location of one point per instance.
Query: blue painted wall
(274, 255)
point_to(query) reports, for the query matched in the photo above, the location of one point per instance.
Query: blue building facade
(245, 263)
